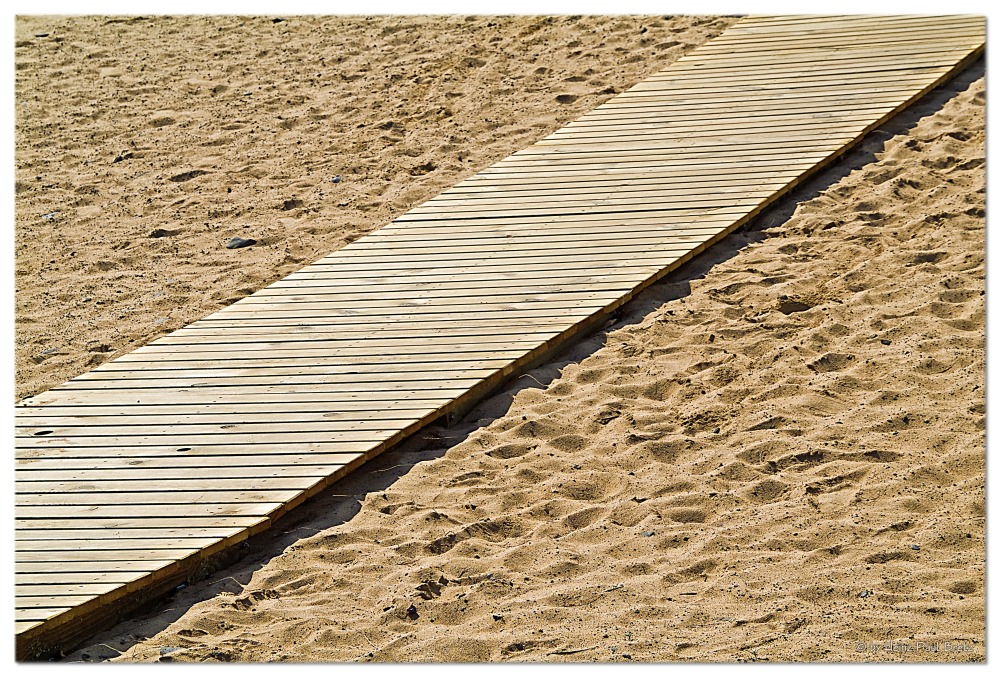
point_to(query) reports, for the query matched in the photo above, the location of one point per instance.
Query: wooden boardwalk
(128, 477)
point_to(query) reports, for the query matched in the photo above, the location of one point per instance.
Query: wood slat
(130, 477)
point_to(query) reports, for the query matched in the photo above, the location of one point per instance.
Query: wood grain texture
(128, 478)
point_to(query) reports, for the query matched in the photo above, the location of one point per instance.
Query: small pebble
(885, 342)
(49, 216)
(648, 533)
(160, 232)
(864, 593)
(240, 242)
(336, 179)
(412, 614)
(717, 430)
(247, 93)
(498, 617)
(41, 35)
(914, 547)
(277, 20)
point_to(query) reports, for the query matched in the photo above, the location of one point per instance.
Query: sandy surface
(236, 126)
(776, 454)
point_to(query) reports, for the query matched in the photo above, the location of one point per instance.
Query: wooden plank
(28, 536)
(677, 128)
(76, 559)
(112, 524)
(210, 460)
(666, 113)
(847, 57)
(806, 102)
(189, 500)
(795, 42)
(30, 596)
(217, 396)
(377, 369)
(61, 602)
(93, 483)
(115, 577)
(628, 194)
(166, 456)
(59, 547)
(162, 510)
(752, 74)
(777, 96)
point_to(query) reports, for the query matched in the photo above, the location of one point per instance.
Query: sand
(144, 144)
(775, 454)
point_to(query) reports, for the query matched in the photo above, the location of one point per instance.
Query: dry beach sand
(776, 454)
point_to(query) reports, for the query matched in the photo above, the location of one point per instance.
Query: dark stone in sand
(160, 232)
(239, 242)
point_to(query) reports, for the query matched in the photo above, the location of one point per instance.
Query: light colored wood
(524, 167)
(165, 365)
(91, 557)
(793, 42)
(907, 56)
(793, 74)
(777, 96)
(383, 367)
(831, 84)
(27, 596)
(27, 536)
(789, 119)
(128, 477)
(56, 602)
(207, 459)
(188, 499)
(567, 187)
(687, 149)
(751, 28)
(43, 479)
(39, 580)
(667, 113)
(206, 452)
(517, 252)
(258, 509)
(538, 198)
(61, 546)
(807, 102)
(77, 436)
